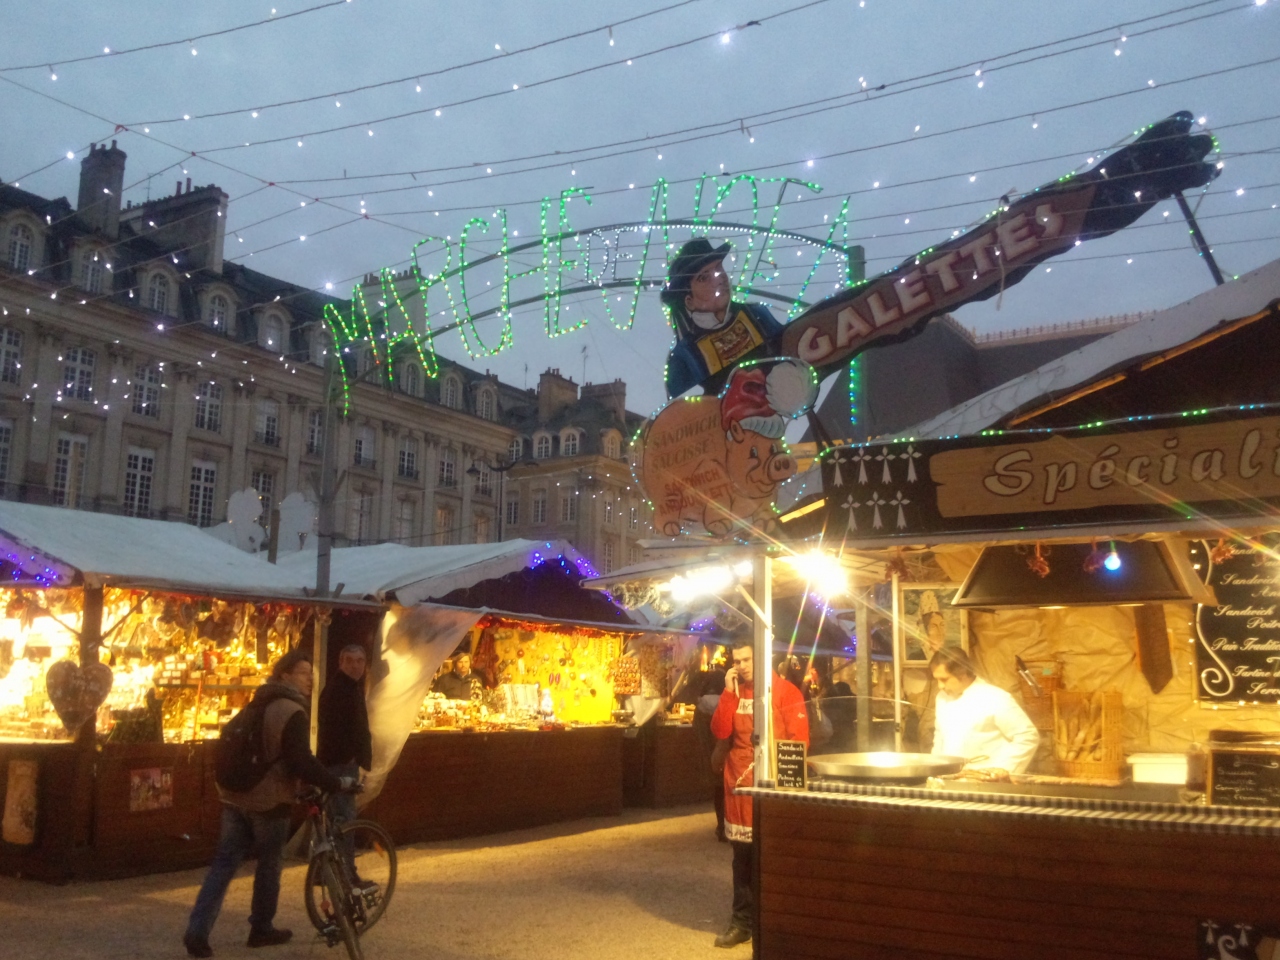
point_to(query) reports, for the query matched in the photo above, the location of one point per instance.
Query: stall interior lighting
(825, 574)
(1112, 562)
(702, 582)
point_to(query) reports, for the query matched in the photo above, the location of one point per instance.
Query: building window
(485, 405)
(6, 448)
(21, 243)
(273, 333)
(68, 469)
(315, 432)
(569, 444)
(264, 482)
(208, 407)
(405, 515)
(516, 450)
(484, 482)
(91, 271)
(606, 556)
(448, 468)
(366, 441)
(444, 525)
(450, 393)
(139, 475)
(633, 554)
(482, 528)
(608, 512)
(612, 447)
(319, 345)
(540, 506)
(513, 512)
(10, 355)
(219, 310)
(204, 477)
(633, 518)
(569, 508)
(408, 467)
(266, 427)
(77, 375)
(360, 522)
(542, 447)
(158, 293)
(411, 383)
(146, 391)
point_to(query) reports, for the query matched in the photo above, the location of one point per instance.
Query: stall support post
(762, 653)
(863, 659)
(897, 671)
(77, 837)
(324, 534)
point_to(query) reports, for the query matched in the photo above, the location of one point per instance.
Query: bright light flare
(825, 574)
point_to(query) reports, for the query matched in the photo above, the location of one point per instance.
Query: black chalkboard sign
(1244, 778)
(790, 769)
(1238, 648)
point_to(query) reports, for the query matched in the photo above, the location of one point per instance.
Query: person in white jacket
(979, 721)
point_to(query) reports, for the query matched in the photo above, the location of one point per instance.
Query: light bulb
(1112, 562)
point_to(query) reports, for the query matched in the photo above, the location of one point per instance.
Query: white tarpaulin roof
(1157, 333)
(415, 574)
(127, 551)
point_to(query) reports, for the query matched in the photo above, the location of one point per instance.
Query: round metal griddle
(885, 765)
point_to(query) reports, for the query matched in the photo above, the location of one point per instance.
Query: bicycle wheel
(373, 856)
(340, 907)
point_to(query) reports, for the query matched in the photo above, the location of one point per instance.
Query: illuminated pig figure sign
(713, 464)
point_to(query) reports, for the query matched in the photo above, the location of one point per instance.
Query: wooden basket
(1048, 674)
(1087, 737)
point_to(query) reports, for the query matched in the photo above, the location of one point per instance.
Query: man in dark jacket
(257, 820)
(460, 683)
(344, 745)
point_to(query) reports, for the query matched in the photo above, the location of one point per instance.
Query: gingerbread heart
(76, 692)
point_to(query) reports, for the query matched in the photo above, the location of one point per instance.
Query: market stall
(125, 645)
(561, 678)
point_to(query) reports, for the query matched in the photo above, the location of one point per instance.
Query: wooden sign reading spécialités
(1238, 650)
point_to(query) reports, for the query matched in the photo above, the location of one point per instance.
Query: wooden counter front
(663, 766)
(450, 784)
(858, 880)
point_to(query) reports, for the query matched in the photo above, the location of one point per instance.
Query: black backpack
(241, 763)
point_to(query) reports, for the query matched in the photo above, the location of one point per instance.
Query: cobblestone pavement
(647, 884)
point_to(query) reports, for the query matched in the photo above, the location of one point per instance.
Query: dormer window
(485, 405)
(21, 243)
(612, 446)
(542, 447)
(516, 450)
(92, 271)
(569, 443)
(158, 293)
(450, 393)
(273, 333)
(411, 382)
(218, 312)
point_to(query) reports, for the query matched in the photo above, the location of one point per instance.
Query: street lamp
(501, 470)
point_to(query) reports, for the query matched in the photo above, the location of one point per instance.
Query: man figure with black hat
(713, 334)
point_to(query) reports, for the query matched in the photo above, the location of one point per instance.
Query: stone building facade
(141, 373)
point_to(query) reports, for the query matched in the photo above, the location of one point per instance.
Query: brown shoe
(269, 938)
(733, 936)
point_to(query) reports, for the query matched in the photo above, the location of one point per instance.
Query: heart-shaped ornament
(77, 692)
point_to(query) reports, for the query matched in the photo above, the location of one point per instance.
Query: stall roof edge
(629, 628)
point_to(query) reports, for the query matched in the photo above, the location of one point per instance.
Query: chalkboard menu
(1244, 778)
(1238, 653)
(790, 769)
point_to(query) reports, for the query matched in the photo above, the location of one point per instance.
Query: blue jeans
(243, 833)
(342, 809)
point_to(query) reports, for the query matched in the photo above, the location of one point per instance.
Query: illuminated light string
(736, 123)
(109, 52)
(416, 78)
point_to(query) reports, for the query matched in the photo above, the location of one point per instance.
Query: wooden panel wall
(60, 828)
(852, 882)
(454, 784)
(664, 767)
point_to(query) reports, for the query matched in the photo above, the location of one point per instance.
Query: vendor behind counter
(977, 720)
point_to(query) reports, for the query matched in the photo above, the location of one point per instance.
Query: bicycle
(351, 875)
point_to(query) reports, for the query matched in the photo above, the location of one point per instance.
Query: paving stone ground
(648, 884)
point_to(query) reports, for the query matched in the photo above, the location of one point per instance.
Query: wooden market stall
(125, 644)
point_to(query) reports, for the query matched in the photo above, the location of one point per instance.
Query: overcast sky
(727, 92)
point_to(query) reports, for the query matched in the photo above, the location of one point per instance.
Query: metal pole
(1201, 244)
(863, 656)
(762, 653)
(897, 671)
(324, 542)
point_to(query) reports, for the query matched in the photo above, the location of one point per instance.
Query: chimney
(555, 393)
(612, 396)
(101, 183)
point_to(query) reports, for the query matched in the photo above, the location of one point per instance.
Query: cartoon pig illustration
(714, 464)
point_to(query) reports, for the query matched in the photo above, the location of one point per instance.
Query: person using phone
(734, 720)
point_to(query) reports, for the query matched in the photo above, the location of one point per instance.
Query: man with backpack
(264, 756)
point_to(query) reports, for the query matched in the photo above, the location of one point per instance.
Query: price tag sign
(1244, 778)
(789, 764)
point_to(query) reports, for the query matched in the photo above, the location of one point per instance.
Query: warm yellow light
(823, 572)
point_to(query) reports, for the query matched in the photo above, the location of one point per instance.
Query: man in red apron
(733, 721)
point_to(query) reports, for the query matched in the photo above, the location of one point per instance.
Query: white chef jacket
(985, 721)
